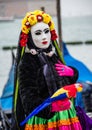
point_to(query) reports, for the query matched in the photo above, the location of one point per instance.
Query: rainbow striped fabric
(63, 120)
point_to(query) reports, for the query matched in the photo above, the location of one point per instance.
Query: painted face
(41, 35)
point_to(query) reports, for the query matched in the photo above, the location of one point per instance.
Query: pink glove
(61, 105)
(63, 70)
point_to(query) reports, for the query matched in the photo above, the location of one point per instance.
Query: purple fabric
(48, 73)
(85, 121)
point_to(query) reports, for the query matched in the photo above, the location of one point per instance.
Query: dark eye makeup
(47, 31)
(38, 32)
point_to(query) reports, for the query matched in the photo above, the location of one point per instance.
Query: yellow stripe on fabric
(52, 124)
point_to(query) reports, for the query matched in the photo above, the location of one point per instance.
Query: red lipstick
(45, 42)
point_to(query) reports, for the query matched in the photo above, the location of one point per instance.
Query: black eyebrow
(41, 30)
(38, 31)
(46, 29)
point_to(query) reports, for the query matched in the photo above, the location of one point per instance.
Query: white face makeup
(41, 35)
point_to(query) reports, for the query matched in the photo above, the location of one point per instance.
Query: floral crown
(31, 19)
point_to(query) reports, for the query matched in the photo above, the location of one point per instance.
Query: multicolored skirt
(63, 120)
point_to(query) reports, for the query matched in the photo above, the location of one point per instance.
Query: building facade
(18, 8)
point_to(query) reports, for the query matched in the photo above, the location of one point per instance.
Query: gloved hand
(63, 70)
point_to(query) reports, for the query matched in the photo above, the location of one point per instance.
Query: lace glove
(63, 70)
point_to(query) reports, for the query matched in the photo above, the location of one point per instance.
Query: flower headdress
(31, 19)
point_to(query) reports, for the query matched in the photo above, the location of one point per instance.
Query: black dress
(33, 86)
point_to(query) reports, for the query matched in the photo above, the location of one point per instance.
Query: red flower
(49, 23)
(27, 24)
(53, 35)
(39, 18)
(23, 39)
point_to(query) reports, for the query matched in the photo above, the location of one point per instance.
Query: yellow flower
(25, 29)
(32, 18)
(46, 18)
(52, 27)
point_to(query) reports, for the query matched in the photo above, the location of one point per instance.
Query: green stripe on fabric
(59, 51)
(36, 120)
(22, 52)
(17, 84)
(16, 93)
(63, 115)
(16, 90)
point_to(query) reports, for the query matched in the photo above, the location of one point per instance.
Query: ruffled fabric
(63, 120)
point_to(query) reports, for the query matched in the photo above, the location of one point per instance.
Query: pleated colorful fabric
(63, 120)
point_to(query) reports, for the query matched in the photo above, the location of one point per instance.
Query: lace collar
(35, 52)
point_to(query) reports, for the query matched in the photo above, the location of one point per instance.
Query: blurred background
(76, 26)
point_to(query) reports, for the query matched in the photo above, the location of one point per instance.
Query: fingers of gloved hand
(59, 65)
(67, 71)
(59, 68)
(60, 71)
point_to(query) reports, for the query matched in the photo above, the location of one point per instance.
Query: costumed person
(41, 72)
